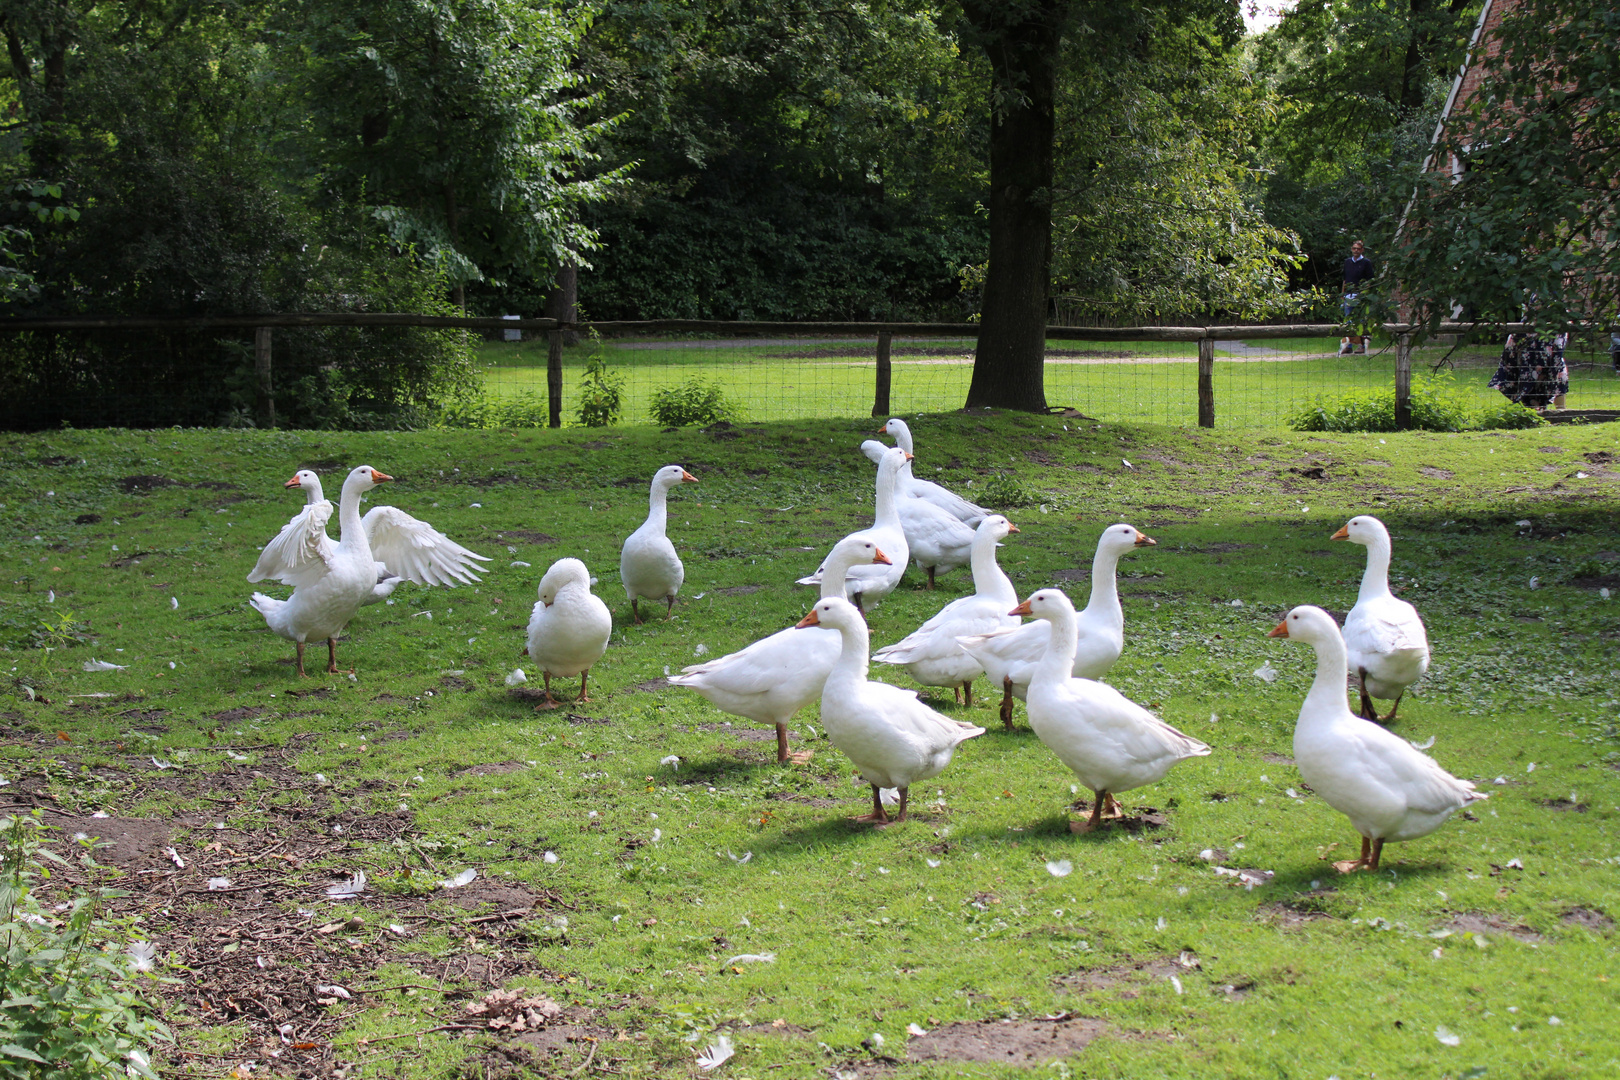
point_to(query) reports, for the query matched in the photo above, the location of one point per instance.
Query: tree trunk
(562, 302)
(1021, 41)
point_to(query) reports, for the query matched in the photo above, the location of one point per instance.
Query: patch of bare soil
(243, 913)
(1277, 759)
(1013, 1042)
(142, 483)
(1072, 573)
(1603, 581)
(493, 768)
(1600, 457)
(1128, 977)
(1311, 472)
(1470, 922)
(246, 713)
(87, 519)
(1296, 911)
(1564, 804)
(818, 801)
(651, 686)
(1592, 920)
(1436, 472)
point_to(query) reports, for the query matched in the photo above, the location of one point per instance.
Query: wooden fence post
(264, 394)
(1206, 382)
(880, 399)
(554, 387)
(1403, 382)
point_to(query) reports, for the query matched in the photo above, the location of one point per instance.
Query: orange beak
(687, 477)
(1011, 527)
(880, 559)
(1342, 534)
(292, 483)
(1281, 631)
(380, 477)
(1021, 609)
(1143, 540)
(911, 457)
(808, 620)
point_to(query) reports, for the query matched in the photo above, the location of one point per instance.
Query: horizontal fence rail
(811, 369)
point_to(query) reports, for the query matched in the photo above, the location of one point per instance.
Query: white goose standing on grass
(891, 737)
(927, 490)
(569, 628)
(777, 676)
(1111, 743)
(1388, 649)
(1387, 788)
(330, 581)
(932, 654)
(867, 584)
(405, 548)
(648, 564)
(1009, 656)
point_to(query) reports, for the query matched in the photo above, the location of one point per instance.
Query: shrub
(1436, 405)
(601, 394)
(693, 402)
(1004, 492)
(71, 1011)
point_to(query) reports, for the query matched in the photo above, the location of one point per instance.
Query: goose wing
(416, 551)
(301, 552)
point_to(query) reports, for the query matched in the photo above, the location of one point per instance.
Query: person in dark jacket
(1357, 269)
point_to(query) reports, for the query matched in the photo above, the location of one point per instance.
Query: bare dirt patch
(1137, 819)
(1592, 920)
(1436, 472)
(1296, 911)
(528, 536)
(246, 713)
(1013, 1042)
(1471, 922)
(142, 483)
(495, 768)
(1129, 977)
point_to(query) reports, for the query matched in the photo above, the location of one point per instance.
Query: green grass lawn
(622, 885)
(1262, 384)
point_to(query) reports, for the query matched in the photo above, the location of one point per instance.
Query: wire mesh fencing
(400, 370)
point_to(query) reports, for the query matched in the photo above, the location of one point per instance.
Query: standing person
(1357, 269)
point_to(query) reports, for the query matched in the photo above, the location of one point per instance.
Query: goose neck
(1375, 579)
(658, 506)
(834, 575)
(1058, 663)
(1326, 696)
(989, 579)
(1104, 602)
(887, 513)
(351, 533)
(852, 663)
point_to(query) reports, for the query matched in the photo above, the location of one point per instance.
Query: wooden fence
(882, 333)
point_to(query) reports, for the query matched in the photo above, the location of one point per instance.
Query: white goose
(1111, 743)
(570, 627)
(405, 548)
(776, 676)
(648, 565)
(867, 584)
(927, 490)
(893, 739)
(330, 581)
(1388, 647)
(932, 654)
(1009, 656)
(1388, 789)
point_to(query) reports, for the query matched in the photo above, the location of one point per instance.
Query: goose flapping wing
(301, 552)
(416, 551)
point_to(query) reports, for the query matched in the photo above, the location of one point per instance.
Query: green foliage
(694, 402)
(528, 409)
(1435, 404)
(72, 1010)
(1005, 492)
(1527, 227)
(601, 393)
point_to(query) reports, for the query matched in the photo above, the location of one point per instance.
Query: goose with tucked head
(927, 490)
(1111, 743)
(865, 584)
(891, 737)
(1387, 646)
(1388, 789)
(648, 564)
(569, 627)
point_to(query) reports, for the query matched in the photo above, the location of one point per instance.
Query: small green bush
(693, 402)
(1004, 492)
(528, 409)
(67, 978)
(1436, 405)
(601, 394)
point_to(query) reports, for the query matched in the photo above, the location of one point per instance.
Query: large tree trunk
(1021, 41)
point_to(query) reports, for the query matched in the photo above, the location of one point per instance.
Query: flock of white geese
(1387, 788)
